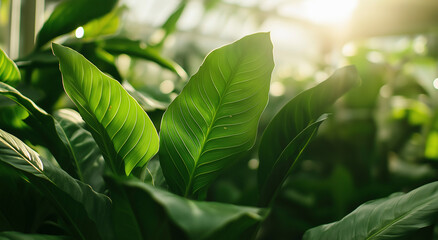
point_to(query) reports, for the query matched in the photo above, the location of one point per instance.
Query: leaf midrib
(89, 112)
(401, 217)
(213, 120)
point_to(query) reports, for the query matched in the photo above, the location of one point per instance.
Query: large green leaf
(122, 130)
(8, 70)
(23, 236)
(393, 217)
(293, 126)
(138, 49)
(85, 212)
(84, 149)
(142, 211)
(215, 117)
(48, 129)
(69, 15)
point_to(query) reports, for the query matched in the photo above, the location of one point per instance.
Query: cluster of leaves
(104, 172)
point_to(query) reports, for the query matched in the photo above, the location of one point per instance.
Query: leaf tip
(56, 48)
(351, 72)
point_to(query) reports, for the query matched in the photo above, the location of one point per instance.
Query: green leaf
(24, 236)
(9, 72)
(85, 211)
(285, 162)
(49, 130)
(71, 14)
(144, 212)
(106, 25)
(122, 130)
(154, 175)
(291, 129)
(138, 49)
(84, 149)
(215, 118)
(393, 217)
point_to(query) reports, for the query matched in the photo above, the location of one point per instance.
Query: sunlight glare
(435, 83)
(79, 32)
(277, 89)
(328, 12)
(167, 86)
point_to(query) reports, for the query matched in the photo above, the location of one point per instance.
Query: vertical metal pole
(14, 40)
(39, 16)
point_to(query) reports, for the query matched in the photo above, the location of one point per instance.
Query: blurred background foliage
(381, 138)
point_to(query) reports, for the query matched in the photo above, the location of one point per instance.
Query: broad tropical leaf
(85, 211)
(135, 48)
(393, 217)
(215, 117)
(84, 149)
(71, 14)
(142, 211)
(47, 127)
(9, 72)
(122, 130)
(285, 130)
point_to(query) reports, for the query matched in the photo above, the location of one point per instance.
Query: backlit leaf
(122, 130)
(215, 117)
(71, 14)
(106, 25)
(9, 72)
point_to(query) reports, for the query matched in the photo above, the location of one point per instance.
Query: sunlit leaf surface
(123, 131)
(215, 117)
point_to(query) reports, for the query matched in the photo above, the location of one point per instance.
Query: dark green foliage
(227, 167)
